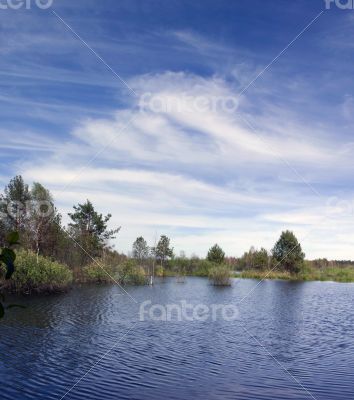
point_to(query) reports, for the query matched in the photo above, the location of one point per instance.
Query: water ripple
(306, 327)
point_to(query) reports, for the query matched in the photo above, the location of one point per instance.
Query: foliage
(271, 274)
(322, 263)
(201, 267)
(254, 259)
(41, 217)
(140, 249)
(179, 265)
(38, 274)
(16, 197)
(38, 222)
(8, 256)
(88, 222)
(89, 230)
(163, 251)
(126, 273)
(220, 275)
(129, 273)
(261, 259)
(44, 234)
(160, 271)
(97, 272)
(333, 274)
(287, 252)
(216, 254)
(41, 229)
(7, 260)
(189, 266)
(307, 273)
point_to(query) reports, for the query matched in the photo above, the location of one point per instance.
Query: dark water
(289, 338)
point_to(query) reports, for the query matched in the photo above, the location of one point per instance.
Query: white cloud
(185, 171)
(203, 137)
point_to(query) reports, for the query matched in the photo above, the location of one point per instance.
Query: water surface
(290, 338)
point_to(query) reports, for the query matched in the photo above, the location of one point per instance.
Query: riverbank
(36, 274)
(343, 275)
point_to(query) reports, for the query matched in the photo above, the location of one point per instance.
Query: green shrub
(220, 275)
(38, 274)
(307, 273)
(129, 273)
(288, 254)
(271, 274)
(159, 271)
(178, 266)
(126, 273)
(202, 267)
(93, 273)
(216, 254)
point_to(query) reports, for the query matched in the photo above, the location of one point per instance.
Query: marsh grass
(38, 275)
(220, 275)
(335, 274)
(93, 273)
(125, 273)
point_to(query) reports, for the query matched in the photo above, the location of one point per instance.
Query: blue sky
(283, 159)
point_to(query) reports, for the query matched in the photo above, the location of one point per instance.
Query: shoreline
(339, 275)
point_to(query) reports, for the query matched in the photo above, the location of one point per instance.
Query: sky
(209, 121)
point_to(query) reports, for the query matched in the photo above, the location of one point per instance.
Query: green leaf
(8, 256)
(2, 311)
(13, 238)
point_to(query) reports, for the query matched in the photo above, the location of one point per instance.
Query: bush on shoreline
(126, 273)
(220, 275)
(38, 275)
(202, 268)
(306, 274)
(129, 273)
(93, 273)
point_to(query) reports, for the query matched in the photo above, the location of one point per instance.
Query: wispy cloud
(177, 171)
(199, 175)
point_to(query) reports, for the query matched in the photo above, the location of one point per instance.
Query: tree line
(286, 254)
(31, 212)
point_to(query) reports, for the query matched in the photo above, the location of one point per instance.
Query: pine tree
(15, 203)
(216, 254)
(89, 229)
(287, 252)
(163, 251)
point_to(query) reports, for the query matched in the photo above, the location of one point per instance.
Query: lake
(290, 340)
